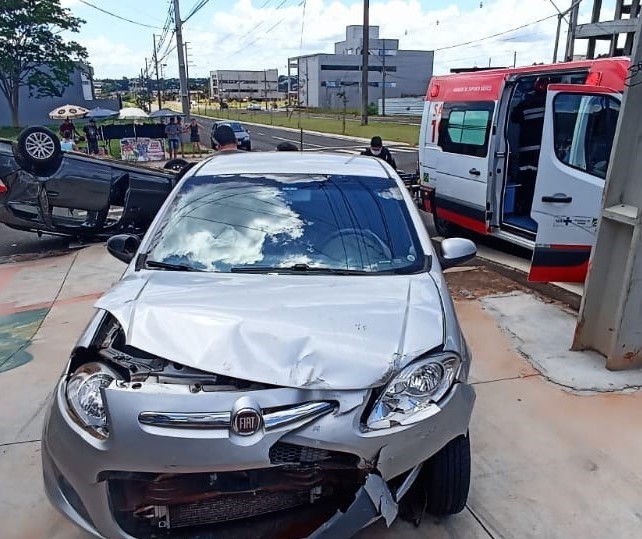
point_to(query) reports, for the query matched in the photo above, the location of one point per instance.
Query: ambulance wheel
(444, 228)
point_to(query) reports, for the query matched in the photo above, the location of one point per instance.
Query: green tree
(33, 53)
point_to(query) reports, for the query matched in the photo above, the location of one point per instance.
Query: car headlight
(410, 396)
(85, 398)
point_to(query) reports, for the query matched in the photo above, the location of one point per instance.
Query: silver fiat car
(281, 359)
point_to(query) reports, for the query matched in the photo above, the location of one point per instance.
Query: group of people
(176, 132)
(69, 133)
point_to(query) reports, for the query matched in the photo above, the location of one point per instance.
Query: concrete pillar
(610, 319)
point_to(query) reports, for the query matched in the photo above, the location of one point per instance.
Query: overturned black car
(45, 190)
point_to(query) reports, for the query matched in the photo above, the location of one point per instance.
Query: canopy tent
(132, 113)
(101, 114)
(67, 111)
(165, 113)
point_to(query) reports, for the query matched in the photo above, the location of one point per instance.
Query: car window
(226, 223)
(236, 126)
(465, 127)
(584, 129)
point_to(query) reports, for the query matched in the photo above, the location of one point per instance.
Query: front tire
(446, 478)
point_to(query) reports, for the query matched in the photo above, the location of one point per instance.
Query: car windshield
(287, 223)
(237, 127)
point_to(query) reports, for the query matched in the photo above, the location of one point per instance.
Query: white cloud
(252, 38)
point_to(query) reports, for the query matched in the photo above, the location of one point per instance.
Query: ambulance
(521, 154)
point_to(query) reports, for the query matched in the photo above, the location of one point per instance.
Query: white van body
(522, 154)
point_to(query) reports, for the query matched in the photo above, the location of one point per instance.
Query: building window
(376, 68)
(465, 127)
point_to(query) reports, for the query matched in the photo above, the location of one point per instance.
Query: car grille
(283, 453)
(233, 507)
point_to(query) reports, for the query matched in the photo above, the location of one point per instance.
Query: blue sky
(261, 34)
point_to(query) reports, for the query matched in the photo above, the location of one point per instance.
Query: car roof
(292, 163)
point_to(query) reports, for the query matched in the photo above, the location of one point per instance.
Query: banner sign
(141, 149)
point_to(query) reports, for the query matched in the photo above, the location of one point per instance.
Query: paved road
(14, 242)
(266, 138)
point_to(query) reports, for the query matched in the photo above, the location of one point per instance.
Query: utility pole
(572, 27)
(160, 103)
(609, 319)
(364, 64)
(265, 88)
(181, 59)
(187, 73)
(383, 73)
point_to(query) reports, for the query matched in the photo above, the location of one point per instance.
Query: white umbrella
(67, 111)
(131, 113)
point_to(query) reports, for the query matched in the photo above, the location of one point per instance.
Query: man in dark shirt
(91, 134)
(377, 149)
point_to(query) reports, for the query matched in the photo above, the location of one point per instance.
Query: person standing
(194, 136)
(181, 134)
(91, 134)
(173, 132)
(225, 138)
(67, 126)
(377, 149)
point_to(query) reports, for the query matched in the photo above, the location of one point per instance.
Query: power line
(472, 41)
(197, 7)
(118, 16)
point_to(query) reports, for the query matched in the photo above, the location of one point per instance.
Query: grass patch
(10, 133)
(390, 132)
(332, 123)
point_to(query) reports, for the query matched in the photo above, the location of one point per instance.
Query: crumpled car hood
(316, 332)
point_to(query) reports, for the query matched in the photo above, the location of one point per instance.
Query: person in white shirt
(67, 144)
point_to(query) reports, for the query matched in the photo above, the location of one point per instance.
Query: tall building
(251, 85)
(325, 80)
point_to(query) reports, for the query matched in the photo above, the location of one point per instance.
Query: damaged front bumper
(318, 474)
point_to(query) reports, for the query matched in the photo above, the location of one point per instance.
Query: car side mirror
(456, 251)
(123, 247)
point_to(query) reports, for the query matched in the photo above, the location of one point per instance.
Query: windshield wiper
(169, 266)
(298, 268)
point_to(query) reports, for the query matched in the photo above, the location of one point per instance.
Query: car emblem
(246, 422)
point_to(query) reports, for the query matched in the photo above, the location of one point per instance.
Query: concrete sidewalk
(555, 437)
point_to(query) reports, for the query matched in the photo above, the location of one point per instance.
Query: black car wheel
(176, 164)
(444, 228)
(446, 478)
(39, 147)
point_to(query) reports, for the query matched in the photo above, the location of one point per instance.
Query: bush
(373, 110)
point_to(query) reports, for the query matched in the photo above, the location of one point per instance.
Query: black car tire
(444, 228)
(39, 147)
(446, 478)
(176, 164)
(248, 147)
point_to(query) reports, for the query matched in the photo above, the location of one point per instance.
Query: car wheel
(176, 164)
(39, 147)
(444, 228)
(248, 147)
(446, 478)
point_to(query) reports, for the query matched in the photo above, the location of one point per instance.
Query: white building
(325, 80)
(228, 84)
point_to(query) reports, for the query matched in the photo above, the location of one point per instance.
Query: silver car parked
(281, 359)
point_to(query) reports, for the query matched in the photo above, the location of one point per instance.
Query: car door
(579, 128)
(80, 183)
(462, 164)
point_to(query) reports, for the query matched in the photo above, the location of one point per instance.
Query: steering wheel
(348, 242)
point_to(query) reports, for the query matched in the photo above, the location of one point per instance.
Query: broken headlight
(410, 396)
(85, 397)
